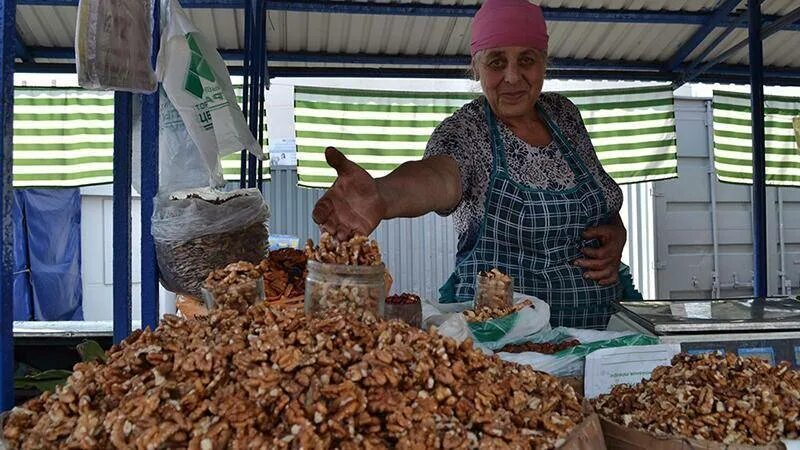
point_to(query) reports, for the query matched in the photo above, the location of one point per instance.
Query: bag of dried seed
(198, 231)
(113, 42)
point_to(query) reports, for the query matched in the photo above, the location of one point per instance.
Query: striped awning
(64, 137)
(633, 130)
(733, 146)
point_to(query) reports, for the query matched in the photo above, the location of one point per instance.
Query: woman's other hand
(353, 205)
(602, 263)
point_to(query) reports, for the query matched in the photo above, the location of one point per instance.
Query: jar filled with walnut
(359, 291)
(494, 290)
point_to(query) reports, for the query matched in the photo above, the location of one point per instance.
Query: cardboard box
(586, 436)
(575, 382)
(619, 437)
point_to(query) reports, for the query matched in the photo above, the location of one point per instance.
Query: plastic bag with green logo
(198, 84)
(570, 362)
(495, 333)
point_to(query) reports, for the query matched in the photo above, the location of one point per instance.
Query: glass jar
(494, 292)
(404, 307)
(359, 291)
(238, 295)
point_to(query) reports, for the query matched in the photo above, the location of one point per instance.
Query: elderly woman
(519, 173)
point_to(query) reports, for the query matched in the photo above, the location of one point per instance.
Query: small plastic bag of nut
(494, 290)
(404, 307)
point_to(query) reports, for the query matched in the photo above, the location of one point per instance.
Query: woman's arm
(357, 202)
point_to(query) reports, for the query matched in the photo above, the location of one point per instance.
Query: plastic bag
(197, 232)
(198, 84)
(496, 333)
(181, 163)
(113, 44)
(570, 362)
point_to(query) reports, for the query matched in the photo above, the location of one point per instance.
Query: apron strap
(570, 155)
(498, 148)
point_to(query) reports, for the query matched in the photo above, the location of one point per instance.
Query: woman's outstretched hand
(353, 205)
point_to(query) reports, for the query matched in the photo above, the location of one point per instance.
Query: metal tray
(707, 316)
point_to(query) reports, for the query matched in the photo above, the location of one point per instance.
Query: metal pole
(256, 52)
(264, 85)
(123, 114)
(785, 281)
(759, 175)
(150, 120)
(712, 179)
(8, 37)
(247, 54)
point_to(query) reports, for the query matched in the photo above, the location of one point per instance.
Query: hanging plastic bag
(197, 232)
(198, 84)
(113, 44)
(182, 165)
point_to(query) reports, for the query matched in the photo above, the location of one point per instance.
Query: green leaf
(91, 351)
(42, 381)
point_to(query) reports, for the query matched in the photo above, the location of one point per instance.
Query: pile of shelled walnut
(271, 377)
(713, 397)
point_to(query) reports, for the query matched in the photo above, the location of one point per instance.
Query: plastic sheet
(570, 362)
(52, 219)
(23, 297)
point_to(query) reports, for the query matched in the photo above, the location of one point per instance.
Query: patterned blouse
(465, 137)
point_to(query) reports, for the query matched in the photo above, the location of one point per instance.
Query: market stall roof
(590, 39)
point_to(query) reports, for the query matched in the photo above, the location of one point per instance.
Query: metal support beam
(461, 61)
(262, 93)
(720, 14)
(736, 74)
(586, 15)
(121, 258)
(765, 32)
(244, 56)
(8, 36)
(254, 60)
(759, 149)
(22, 50)
(149, 164)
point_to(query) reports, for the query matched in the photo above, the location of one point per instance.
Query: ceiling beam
(439, 10)
(735, 75)
(458, 63)
(719, 16)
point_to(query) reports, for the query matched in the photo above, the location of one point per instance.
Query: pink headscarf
(508, 23)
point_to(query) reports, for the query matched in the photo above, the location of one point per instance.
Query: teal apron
(534, 235)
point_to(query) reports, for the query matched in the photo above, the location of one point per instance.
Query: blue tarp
(23, 299)
(51, 242)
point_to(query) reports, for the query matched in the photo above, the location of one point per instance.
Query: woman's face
(511, 79)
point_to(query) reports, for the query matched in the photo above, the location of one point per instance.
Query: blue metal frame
(22, 50)
(719, 16)
(149, 151)
(121, 259)
(759, 150)
(245, 72)
(8, 37)
(423, 9)
(556, 67)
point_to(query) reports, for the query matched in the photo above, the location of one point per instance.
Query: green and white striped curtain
(65, 138)
(733, 147)
(633, 130)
